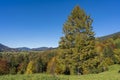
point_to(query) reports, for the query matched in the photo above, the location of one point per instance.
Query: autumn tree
(51, 65)
(4, 68)
(78, 43)
(30, 68)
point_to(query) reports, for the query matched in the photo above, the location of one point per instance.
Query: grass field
(112, 74)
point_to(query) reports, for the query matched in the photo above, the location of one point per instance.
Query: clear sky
(37, 23)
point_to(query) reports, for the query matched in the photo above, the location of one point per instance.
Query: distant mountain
(114, 35)
(34, 49)
(23, 49)
(42, 48)
(5, 48)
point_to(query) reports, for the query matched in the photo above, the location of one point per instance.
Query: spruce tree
(78, 43)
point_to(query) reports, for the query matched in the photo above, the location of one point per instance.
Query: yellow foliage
(51, 66)
(30, 68)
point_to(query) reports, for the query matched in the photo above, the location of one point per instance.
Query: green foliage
(17, 62)
(78, 43)
(117, 55)
(111, 74)
(13, 70)
(22, 68)
(117, 43)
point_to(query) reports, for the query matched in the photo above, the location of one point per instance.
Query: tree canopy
(78, 43)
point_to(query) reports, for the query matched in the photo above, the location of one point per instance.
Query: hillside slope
(114, 35)
(5, 48)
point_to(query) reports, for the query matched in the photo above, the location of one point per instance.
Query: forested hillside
(113, 36)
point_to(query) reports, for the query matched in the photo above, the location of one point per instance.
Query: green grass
(112, 74)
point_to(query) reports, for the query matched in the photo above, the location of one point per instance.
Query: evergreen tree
(78, 43)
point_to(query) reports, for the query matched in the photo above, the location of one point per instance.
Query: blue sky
(37, 23)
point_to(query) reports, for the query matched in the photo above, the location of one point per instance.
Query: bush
(3, 67)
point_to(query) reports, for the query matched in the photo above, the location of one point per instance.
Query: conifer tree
(78, 43)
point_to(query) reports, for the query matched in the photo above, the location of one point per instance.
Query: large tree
(78, 43)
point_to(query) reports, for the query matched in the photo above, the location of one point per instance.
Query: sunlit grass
(112, 74)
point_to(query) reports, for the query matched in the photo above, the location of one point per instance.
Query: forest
(79, 52)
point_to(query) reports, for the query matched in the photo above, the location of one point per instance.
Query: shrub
(3, 66)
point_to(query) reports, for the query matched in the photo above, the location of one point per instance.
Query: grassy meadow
(112, 74)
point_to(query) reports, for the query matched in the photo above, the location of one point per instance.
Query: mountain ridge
(34, 49)
(113, 35)
(6, 48)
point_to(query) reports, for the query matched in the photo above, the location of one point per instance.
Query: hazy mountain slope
(114, 35)
(5, 48)
(34, 49)
(23, 49)
(42, 48)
